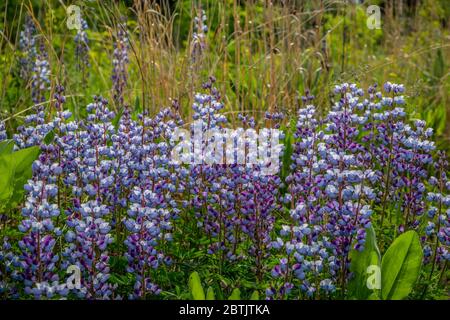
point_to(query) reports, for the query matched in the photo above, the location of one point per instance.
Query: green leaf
(287, 154)
(117, 118)
(401, 266)
(255, 295)
(195, 286)
(6, 180)
(49, 137)
(15, 170)
(6, 147)
(210, 294)
(118, 279)
(137, 109)
(23, 160)
(235, 295)
(359, 262)
(373, 296)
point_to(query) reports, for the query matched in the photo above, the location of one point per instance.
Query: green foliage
(15, 170)
(310, 46)
(287, 154)
(195, 286)
(49, 137)
(360, 262)
(6, 147)
(255, 295)
(197, 292)
(235, 295)
(400, 266)
(210, 295)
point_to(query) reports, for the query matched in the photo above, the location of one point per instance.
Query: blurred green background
(265, 55)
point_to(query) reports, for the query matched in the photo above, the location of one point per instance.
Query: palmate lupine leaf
(401, 266)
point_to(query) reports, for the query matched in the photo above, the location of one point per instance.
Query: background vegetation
(264, 55)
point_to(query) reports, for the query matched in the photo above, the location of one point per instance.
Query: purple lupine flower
(437, 229)
(89, 251)
(89, 221)
(199, 36)
(82, 49)
(34, 133)
(38, 257)
(233, 200)
(151, 207)
(328, 191)
(95, 165)
(40, 78)
(27, 46)
(120, 64)
(147, 226)
(8, 265)
(3, 135)
(400, 154)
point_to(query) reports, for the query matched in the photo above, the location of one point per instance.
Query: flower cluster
(106, 188)
(40, 77)
(233, 201)
(8, 264)
(151, 204)
(38, 257)
(120, 64)
(437, 229)
(329, 193)
(82, 48)
(401, 154)
(199, 36)
(34, 64)
(3, 135)
(27, 46)
(79, 201)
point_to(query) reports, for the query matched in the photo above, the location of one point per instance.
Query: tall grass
(264, 54)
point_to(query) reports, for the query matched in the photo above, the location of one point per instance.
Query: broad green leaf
(6, 180)
(15, 170)
(195, 286)
(49, 137)
(210, 294)
(23, 160)
(401, 266)
(255, 295)
(6, 146)
(235, 295)
(359, 262)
